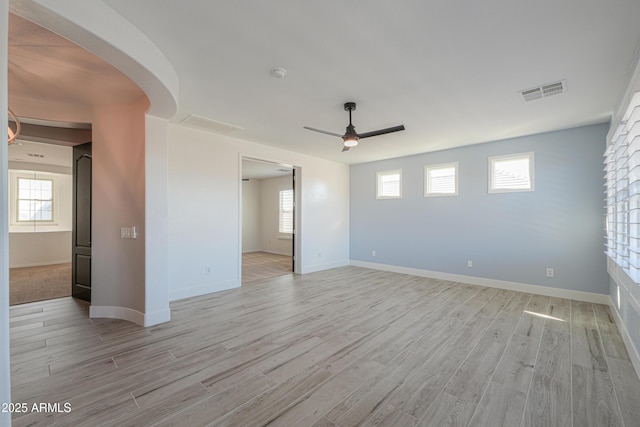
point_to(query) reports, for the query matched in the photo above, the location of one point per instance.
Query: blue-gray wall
(509, 236)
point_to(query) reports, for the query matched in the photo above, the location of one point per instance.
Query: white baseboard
(633, 353)
(130, 315)
(320, 267)
(492, 283)
(111, 312)
(157, 317)
(202, 289)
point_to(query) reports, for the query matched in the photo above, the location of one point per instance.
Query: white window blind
(35, 200)
(286, 212)
(441, 180)
(622, 181)
(389, 184)
(511, 173)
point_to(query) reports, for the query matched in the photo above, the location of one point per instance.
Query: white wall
(270, 239)
(204, 210)
(5, 371)
(156, 222)
(33, 244)
(251, 213)
(33, 249)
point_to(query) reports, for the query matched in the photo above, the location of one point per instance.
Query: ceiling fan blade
(381, 131)
(345, 148)
(323, 131)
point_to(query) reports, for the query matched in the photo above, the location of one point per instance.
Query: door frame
(297, 210)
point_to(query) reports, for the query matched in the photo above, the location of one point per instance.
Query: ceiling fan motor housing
(351, 137)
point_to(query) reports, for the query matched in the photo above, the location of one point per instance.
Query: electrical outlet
(207, 271)
(550, 272)
(469, 263)
(373, 253)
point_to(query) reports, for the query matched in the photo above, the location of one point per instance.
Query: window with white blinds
(622, 182)
(441, 180)
(389, 184)
(511, 173)
(286, 212)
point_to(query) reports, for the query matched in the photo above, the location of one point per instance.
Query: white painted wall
(251, 214)
(204, 210)
(33, 249)
(5, 371)
(32, 244)
(270, 239)
(156, 222)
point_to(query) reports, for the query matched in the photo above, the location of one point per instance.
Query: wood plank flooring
(263, 265)
(344, 347)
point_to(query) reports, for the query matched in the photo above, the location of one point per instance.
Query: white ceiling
(449, 71)
(46, 67)
(252, 169)
(46, 154)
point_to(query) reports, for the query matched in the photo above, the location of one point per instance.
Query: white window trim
(491, 161)
(21, 226)
(427, 178)
(53, 202)
(380, 174)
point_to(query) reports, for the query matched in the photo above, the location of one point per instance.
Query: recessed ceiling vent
(210, 124)
(544, 91)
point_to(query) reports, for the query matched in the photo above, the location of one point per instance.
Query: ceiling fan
(351, 137)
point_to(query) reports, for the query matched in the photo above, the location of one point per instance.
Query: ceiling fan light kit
(351, 137)
(12, 134)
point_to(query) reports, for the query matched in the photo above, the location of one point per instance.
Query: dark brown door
(293, 235)
(81, 250)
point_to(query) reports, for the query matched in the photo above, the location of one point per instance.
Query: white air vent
(209, 124)
(544, 91)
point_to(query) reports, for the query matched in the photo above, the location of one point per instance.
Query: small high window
(511, 173)
(389, 184)
(441, 180)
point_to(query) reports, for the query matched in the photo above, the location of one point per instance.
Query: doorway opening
(41, 210)
(268, 212)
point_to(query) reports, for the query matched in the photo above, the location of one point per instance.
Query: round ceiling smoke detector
(278, 72)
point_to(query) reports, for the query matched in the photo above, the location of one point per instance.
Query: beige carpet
(263, 265)
(31, 284)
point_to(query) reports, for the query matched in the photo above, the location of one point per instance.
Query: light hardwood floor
(344, 347)
(263, 265)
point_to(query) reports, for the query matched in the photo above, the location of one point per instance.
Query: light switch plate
(128, 233)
